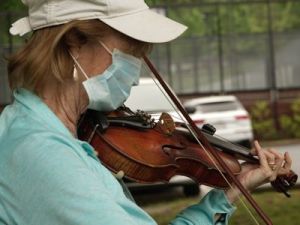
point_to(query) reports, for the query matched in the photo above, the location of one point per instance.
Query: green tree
(11, 5)
(235, 18)
(262, 121)
(290, 124)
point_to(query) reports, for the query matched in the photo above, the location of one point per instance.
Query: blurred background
(246, 48)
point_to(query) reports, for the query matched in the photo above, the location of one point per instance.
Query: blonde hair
(45, 57)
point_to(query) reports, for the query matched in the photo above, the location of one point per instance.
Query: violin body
(152, 155)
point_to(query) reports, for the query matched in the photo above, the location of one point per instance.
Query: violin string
(205, 150)
(226, 140)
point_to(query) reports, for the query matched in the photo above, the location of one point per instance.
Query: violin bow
(205, 142)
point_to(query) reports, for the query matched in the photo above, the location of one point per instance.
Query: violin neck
(231, 148)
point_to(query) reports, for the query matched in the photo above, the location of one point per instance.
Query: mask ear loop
(75, 72)
(77, 63)
(75, 75)
(105, 47)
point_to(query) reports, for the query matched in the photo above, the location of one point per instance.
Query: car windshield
(218, 106)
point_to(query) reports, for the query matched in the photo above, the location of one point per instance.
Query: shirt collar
(40, 110)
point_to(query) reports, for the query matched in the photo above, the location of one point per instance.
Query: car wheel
(191, 190)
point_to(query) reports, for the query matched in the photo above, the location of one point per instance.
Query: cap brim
(146, 26)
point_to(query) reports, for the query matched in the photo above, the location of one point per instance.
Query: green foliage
(11, 5)
(290, 125)
(234, 18)
(262, 121)
(286, 16)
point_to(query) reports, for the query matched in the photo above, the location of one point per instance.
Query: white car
(226, 114)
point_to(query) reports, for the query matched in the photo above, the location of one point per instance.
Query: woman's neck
(68, 104)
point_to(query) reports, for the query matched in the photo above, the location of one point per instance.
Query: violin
(145, 151)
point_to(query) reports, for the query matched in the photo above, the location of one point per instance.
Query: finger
(271, 158)
(278, 167)
(262, 158)
(276, 155)
(286, 168)
(253, 150)
(278, 160)
(288, 161)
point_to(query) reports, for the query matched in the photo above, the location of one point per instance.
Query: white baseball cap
(130, 17)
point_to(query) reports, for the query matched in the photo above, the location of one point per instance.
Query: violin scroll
(285, 183)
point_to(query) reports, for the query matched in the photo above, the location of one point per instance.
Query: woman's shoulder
(30, 146)
(25, 144)
(25, 133)
(44, 156)
(40, 145)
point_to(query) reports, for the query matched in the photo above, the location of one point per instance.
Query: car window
(148, 97)
(218, 106)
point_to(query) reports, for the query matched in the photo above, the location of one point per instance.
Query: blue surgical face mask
(109, 90)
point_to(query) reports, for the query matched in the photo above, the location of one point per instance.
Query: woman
(86, 54)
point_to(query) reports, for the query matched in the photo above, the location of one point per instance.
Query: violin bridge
(166, 123)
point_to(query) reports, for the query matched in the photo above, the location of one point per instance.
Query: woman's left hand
(272, 164)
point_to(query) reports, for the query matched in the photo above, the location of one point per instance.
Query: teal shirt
(48, 177)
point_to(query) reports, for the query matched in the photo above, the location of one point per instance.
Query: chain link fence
(194, 63)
